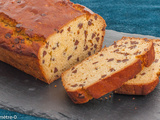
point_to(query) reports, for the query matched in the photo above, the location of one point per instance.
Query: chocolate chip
(97, 39)
(53, 48)
(56, 30)
(89, 53)
(132, 47)
(52, 59)
(80, 96)
(93, 35)
(103, 29)
(69, 29)
(80, 25)
(55, 70)
(135, 76)
(118, 61)
(76, 42)
(95, 46)
(75, 48)
(112, 70)
(16, 40)
(133, 42)
(43, 14)
(89, 23)
(18, 1)
(33, 55)
(86, 34)
(125, 54)
(47, 44)
(125, 60)
(81, 85)
(95, 62)
(58, 44)
(73, 68)
(86, 47)
(43, 61)
(111, 59)
(69, 57)
(96, 68)
(75, 85)
(61, 31)
(44, 53)
(156, 60)
(101, 55)
(103, 76)
(95, 17)
(126, 43)
(75, 71)
(78, 59)
(91, 49)
(136, 53)
(18, 25)
(143, 73)
(8, 35)
(116, 50)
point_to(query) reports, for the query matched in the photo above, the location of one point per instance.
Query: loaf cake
(108, 69)
(145, 81)
(46, 37)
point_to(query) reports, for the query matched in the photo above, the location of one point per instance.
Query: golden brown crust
(40, 17)
(18, 44)
(106, 85)
(28, 64)
(141, 89)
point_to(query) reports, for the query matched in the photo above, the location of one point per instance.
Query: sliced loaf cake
(108, 69)
(46, 37)
(146, 81)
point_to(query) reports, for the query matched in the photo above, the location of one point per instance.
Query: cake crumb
(106, 98)
(110, 96)
(135, 108)
(55, 86)
(119, 99)
(133, 98)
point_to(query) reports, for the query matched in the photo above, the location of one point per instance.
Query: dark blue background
(130, 16)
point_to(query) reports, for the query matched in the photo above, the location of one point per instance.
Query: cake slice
(108, 69)
(146, 81)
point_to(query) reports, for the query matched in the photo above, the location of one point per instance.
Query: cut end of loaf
(71, 44)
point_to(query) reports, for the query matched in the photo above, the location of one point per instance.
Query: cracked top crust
(25, 25)
(41, 17)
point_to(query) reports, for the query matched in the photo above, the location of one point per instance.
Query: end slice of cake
(146, 81)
